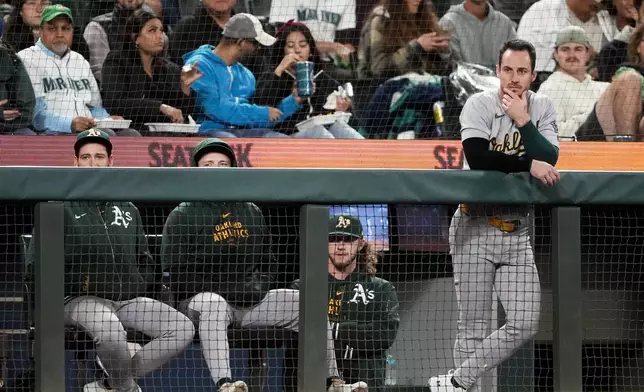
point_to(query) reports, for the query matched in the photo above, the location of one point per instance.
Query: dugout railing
(315, 190)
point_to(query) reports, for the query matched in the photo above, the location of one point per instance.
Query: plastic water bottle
(390, 370)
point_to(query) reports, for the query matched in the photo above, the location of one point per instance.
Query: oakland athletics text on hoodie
(363, 311)
(106, 252)
(224, 248)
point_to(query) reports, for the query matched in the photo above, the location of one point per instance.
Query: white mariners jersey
(483, 117)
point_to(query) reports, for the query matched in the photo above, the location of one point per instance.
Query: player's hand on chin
(544, 172)
(515, 106)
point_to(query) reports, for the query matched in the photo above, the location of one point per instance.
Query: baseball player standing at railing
(512, 130)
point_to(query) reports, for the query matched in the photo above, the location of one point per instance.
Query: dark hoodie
(224, 248)
(613, 54)
(363, 312)
(128, 90)
(106, 252)
(16, 88)
(270, 87)
(104, 34)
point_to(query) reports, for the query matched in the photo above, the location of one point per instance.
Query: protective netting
(394, 319)
(338, 68)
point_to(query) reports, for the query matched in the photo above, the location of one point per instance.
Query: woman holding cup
(299, 70)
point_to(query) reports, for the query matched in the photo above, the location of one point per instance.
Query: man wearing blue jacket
(225, 90)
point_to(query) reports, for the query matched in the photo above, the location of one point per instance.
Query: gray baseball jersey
(483, 117)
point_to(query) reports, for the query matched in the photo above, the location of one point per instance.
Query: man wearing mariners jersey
(510, 130)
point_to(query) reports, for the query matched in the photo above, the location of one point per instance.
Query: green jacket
(223, 248)
(106, 252)
(363, 311)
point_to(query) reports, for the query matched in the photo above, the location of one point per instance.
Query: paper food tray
(327, 119)
(173, 128)
(113, 124)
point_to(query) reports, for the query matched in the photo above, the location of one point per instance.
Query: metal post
(314, 238)
(49, 350)
(567, 324)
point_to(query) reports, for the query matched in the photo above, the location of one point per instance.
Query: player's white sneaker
(340, 386)
(443, 383)
(237, 386)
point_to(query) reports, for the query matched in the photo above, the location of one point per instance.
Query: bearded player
(511, 130)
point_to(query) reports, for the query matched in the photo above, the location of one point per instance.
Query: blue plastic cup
(304, 75)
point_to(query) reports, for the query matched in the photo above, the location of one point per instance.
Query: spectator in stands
(513, 9)
(105, 33)
(67, 97)
(295, 43)
(541, 22)
(224, 92)
(570, 87)
(22, 29)
(619, 109)
(622, 12)
(140, 83)
(17, 98)
(108, 287)
(614, 53)
(363, 309)
(205, 26)
(223, 270)
(477, 31)
(332, 23)
(402, 36)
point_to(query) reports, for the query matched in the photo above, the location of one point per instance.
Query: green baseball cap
(93, 135)
(53, 11)
(345, 225)
(572, 34)
(212, 145)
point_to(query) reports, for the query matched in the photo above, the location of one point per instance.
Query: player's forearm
(480, 157)
(537, 146)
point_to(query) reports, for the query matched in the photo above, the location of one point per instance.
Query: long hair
(17, 33)
(367, 259)
(402, 26)
(277, 53)
(634, 43)
(132, 29)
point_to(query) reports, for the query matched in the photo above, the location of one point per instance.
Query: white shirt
(322, 17)
(573, 99)
(545, 18)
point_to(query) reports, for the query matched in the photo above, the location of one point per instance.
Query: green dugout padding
(324, 186)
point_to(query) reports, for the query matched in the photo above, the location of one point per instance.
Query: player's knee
(209, 303)
(523, 329)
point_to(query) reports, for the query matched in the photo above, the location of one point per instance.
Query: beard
(342, 265)
(60, 49)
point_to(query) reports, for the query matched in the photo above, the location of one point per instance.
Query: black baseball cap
(93, 135)
(345, 225)
(212, 145)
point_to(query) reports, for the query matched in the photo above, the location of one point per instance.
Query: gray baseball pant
(170, 330)
(487, 260)
(279, 308)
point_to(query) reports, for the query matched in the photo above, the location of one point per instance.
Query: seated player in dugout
(223, 272)
(362, 309)
(110, 279)
(510, 130)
